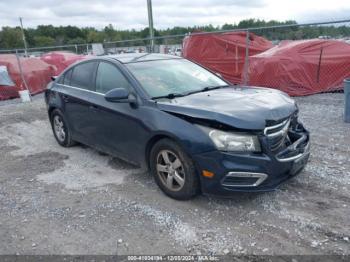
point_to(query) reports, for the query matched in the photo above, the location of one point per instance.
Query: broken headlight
(233, 142)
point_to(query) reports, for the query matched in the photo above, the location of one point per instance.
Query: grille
(277, 134)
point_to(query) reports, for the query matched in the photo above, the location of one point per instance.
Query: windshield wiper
(169, 96)
(173, 95)
(205, 89)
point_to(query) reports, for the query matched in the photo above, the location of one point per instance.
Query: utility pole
(246, 60)
(150, 24)
(23, 37)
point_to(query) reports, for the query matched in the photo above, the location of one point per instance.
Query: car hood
(239, 107)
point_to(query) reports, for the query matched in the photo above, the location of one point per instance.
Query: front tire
(60, 129)
(173, 170)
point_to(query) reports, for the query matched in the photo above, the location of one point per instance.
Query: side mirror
(120, 95)
(117, 95)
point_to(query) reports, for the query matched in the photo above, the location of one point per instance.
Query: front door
(118, 128)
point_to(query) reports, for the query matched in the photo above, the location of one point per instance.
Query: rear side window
(109, 77)
(83, 76)
(67, 77)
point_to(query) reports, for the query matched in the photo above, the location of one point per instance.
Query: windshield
(173, 76)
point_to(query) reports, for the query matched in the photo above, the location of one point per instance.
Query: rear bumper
(252, 172)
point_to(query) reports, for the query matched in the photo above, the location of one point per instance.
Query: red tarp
(37, 75)
(302, 67)
(223, 53)
(61, 59)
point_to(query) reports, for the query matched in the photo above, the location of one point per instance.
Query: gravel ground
(55, 200)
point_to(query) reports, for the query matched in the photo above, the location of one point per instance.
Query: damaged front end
(287, 140)
(283, 152)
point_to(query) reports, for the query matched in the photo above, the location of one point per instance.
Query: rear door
(78, 95)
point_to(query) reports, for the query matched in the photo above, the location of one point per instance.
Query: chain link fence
(37, 51)
(290, 56)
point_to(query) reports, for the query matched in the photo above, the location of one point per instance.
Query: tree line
(49, 35)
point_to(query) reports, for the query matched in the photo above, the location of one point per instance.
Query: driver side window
(109, 77)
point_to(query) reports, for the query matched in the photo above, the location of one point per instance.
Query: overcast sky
(127, 14)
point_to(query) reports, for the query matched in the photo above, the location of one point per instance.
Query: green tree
(44, 41)
(11, 38)
(95, 36)
(77, 40)
(45, 35)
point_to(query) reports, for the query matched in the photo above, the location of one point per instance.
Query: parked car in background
(193, 130)
(178, 52)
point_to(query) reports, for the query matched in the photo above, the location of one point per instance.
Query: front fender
(186, 134)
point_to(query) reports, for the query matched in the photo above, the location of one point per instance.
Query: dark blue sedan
(193, 130)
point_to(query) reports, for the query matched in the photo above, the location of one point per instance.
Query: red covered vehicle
(61, 59)
(302, 67)
(37, 74)
(224, 53)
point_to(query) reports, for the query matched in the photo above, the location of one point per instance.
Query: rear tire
(60, 129)
(173, 170)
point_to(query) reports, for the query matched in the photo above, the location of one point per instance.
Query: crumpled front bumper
(253, 172)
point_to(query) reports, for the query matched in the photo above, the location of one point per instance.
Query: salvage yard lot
(55, 200)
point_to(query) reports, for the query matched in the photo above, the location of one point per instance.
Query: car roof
(140, 57)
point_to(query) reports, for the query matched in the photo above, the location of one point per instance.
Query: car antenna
(137, 58)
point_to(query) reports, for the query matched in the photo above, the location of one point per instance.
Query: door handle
(93, 108)
(65, 98)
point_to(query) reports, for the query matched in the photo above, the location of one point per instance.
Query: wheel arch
(51, 109)
(150, 145)
(154, 139)
(182, 146)
(157, 137)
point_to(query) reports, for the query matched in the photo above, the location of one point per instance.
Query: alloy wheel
(170, 170)
(58, 126)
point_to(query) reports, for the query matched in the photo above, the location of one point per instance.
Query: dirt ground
(55, 200)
